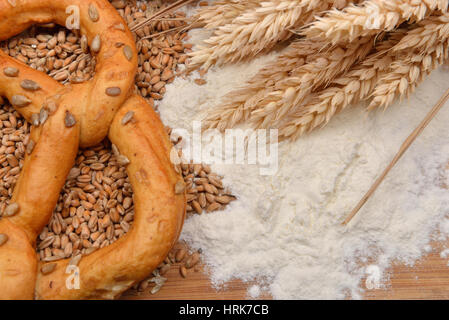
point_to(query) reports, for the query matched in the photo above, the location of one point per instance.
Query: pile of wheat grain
(338, 53)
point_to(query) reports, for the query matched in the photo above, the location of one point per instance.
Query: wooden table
(428, 279)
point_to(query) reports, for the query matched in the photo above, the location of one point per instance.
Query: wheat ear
(422, 50)
(354, 86)
(406, 73)
(370, 18)
(273, 94)
(237, 104)
(223, 12)
(322, 68)
(395, 75)
(426, 34)
(255, 31)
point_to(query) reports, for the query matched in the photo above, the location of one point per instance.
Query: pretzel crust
(37, 189)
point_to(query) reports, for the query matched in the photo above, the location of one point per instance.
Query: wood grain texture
(427, 279)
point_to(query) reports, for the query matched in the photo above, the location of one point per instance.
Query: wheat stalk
(370, 18)
(256, 30)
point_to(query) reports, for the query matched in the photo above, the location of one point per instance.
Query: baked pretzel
(65, 118)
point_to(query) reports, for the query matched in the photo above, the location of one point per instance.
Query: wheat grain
(255, 30)
(370, 18)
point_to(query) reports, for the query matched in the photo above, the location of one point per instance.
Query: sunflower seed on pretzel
(90, 250)
(35, 119)
(127, 117)
(113, 91)
(20, 101)
(11, 210)
(48, 268)
(69, 119)
(93, 13)
(122, 160)
(115, 150)
(43, 116)
(96, 44)
(11, 72)
(77, 80)
(51, 106)
(30, 85)
(179, 187)
(30, 147)
(119, 26)
(128, 52)
(75, 260)
(83, 43)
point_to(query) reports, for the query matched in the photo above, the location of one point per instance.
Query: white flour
(284, 230)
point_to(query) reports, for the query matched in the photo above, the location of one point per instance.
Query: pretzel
(81, 115)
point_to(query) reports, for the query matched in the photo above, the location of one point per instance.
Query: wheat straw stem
(175, 6)
(405, 145)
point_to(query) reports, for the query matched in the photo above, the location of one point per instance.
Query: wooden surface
(428, 279)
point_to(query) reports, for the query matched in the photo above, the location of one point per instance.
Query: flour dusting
(284, 230)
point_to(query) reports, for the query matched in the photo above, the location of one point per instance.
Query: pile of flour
(284, 230)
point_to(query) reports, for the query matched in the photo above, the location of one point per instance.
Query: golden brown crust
(159, 212)
(36, 192)
(44, 173)
(18, 264)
